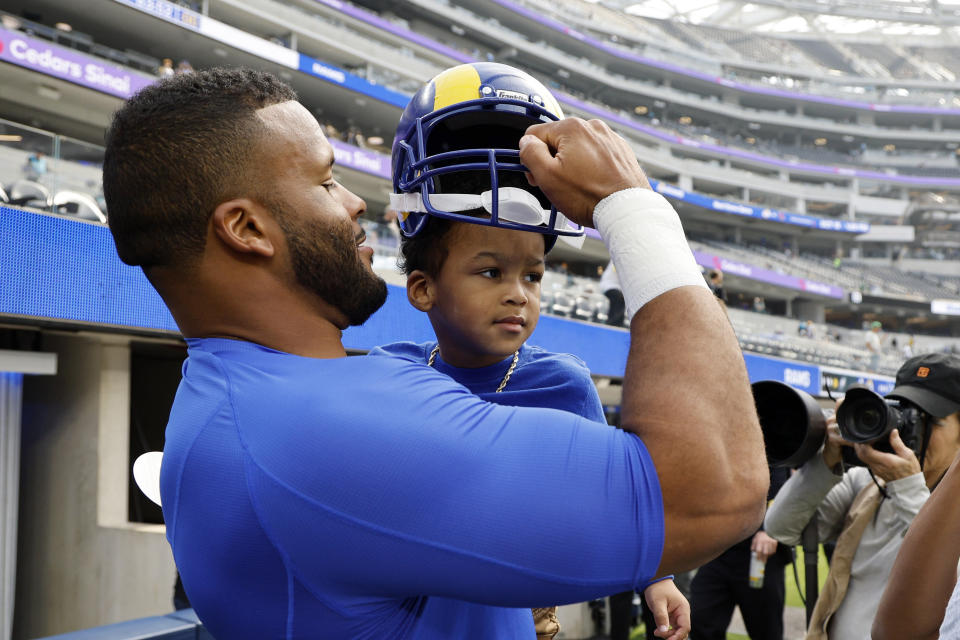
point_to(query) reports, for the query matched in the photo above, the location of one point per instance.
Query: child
(480, 287)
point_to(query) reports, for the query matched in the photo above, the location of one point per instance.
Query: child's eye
(490, 273)
(329, 185)
(534, 277)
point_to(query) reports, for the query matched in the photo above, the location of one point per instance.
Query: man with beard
(310, 495)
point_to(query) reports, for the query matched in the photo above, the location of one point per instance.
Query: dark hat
(930, 381)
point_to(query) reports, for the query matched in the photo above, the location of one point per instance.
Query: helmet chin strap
(513, 204)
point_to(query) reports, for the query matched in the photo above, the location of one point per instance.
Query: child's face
(486, 298)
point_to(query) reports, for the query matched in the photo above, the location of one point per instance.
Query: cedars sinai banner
(72, 66)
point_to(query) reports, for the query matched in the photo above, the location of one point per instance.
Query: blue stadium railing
(179, 625)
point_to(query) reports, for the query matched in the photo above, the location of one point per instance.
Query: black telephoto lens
(792, 423)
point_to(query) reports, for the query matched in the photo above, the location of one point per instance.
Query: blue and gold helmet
(455, 154)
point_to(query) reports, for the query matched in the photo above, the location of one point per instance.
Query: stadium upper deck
(736, 171)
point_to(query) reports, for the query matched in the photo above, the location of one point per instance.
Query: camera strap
(883, 491)
(926, 438)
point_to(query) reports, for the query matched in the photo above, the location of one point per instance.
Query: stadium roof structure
(878, 18)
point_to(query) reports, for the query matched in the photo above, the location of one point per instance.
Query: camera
(794, 426)
(867, 417)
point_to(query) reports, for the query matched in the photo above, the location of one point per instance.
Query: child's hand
(670, 609)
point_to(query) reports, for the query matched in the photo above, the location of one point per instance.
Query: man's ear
(243, 225)
(420, 290)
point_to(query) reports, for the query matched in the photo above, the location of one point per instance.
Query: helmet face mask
(460, 135)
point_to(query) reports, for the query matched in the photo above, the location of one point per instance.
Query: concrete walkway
(794, 623)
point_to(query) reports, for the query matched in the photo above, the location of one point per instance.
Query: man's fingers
(578, 163)
(866, 453)
(899, 447)
(534, 153)
(542, 131)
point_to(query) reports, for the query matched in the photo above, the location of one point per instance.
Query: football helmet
(455, 153)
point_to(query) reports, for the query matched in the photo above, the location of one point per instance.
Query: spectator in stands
(610, 287)
(759, 304)
(922, 598)
(564, 268)
(355, 137)
(305, 490)
(385, 230)
(465, 277)
(184, 66)
(868, 509)
(35, 168)
(165, 70)
(716, 284)
(907, 349)
(873, 342)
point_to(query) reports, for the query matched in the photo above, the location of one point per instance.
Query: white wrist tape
(646, 242)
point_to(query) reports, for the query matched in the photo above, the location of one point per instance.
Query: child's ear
(420, 290)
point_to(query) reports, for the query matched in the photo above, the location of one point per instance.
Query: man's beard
(326, 262)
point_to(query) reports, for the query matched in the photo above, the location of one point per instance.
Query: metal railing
(41, 170)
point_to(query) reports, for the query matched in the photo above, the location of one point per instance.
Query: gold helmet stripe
(455, 85)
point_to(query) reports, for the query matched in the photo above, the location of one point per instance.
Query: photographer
(867, 510)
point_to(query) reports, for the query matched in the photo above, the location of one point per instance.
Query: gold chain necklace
(506, 376)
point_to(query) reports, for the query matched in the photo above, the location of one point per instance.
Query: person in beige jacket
(868, 520)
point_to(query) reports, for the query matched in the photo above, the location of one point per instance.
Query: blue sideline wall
(66, 273)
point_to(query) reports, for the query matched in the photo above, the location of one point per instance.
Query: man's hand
(578, 163)
(671, 611)
(832, 448)
(901, 463)
(763, 545)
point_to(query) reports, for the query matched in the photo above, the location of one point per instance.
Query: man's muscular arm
(925, 572)
(686, 391)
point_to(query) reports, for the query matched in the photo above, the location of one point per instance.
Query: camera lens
(865, 417)
(868, 419)
(793, 426)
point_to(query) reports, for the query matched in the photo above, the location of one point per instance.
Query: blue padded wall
(66, 273)
(64, 270)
